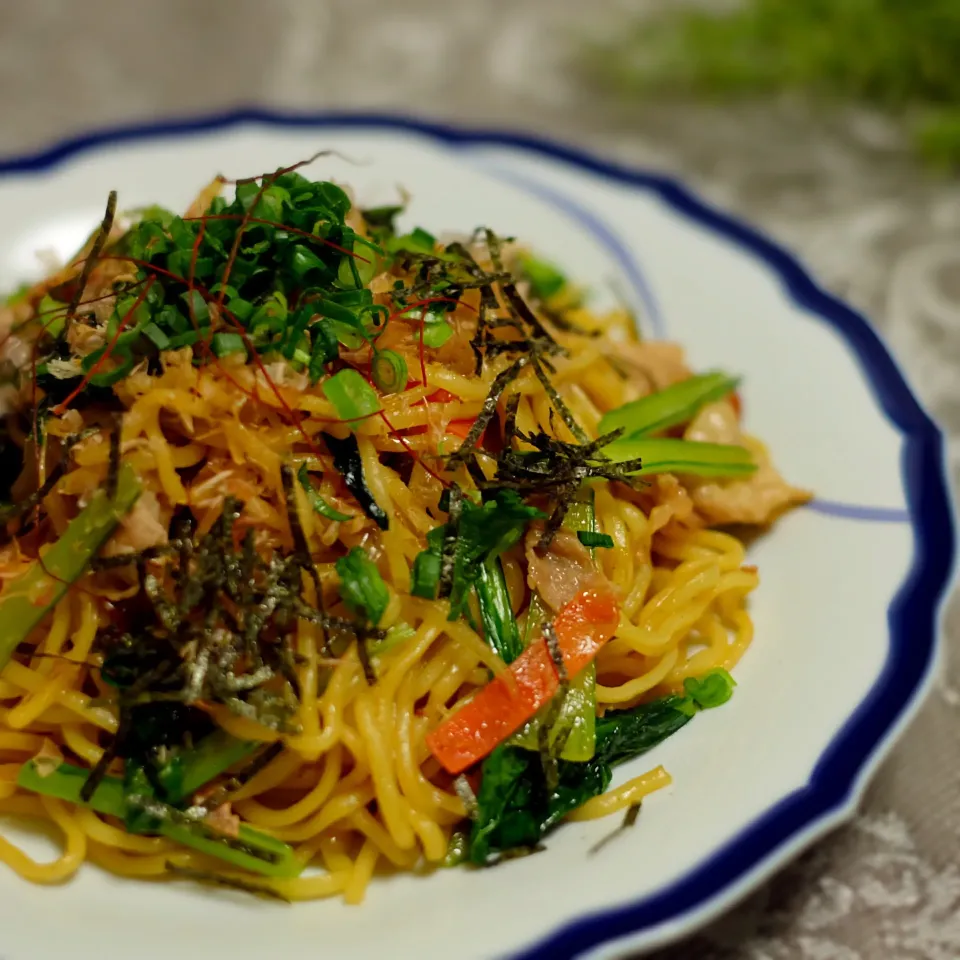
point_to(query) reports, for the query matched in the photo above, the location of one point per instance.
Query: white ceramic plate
(846, 615)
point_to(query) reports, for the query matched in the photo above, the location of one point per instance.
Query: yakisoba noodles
(332, 550)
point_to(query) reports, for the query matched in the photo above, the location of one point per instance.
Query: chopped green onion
(316, 501)
(352, 397)
(224, 344)
(389, 371)
(590, 538)
(667, 455)
(251, 850)
(351, 336)
(355, 273)
(436, 334)
(361, 586)
(28, 598)
(156, 336)
(109, 377)
(667, 408)
(188, 338)
(711, 690)
(545, 279)
(324, 349)
(197, 309)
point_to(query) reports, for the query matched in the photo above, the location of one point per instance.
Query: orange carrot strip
(582, 626)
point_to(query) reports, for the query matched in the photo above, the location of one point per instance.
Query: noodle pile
(352, 785)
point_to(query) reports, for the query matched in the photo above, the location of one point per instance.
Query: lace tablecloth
(842, 192)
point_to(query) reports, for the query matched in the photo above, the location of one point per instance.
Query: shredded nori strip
(550, 754)
(90, 262)
(558, 468)
(516, 304)
(487, 412)
(559, 319)
(510, 420)
(113, 470)
(13, 510)
(557, 401)
(363, 654)
(448, 549)
(556, 655)
(488, 303)
(346, 460)
(243, 776)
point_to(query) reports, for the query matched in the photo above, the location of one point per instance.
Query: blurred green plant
(900, 55)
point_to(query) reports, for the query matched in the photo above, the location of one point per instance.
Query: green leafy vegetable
(711, 690)
(667, 455)
(316, 501)
(29, 597)
(482, 533)
(189, 770)
(574, 726)
(667, 408)
(251, 850)
(223, 344)
(499, 623)
(361, 586)
(352, 397)
(544, 278)
(515, 805)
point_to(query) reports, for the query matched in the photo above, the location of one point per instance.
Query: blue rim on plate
(913, 615)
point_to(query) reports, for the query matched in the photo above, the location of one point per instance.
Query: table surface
(841, 191)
